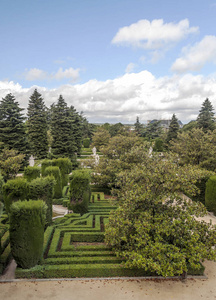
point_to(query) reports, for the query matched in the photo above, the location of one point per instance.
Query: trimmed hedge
(55, 172)
(14, 190)
(86, 142)
(43, 188)
(210, 194)
(65, 166)
(79, 192)
(27, 221)
(44, 164)
(31, 173)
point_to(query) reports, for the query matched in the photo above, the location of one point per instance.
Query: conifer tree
(173, 129)
(37, 125)
(65, 130)
(12, 127)
(138, 126)
(205, 119)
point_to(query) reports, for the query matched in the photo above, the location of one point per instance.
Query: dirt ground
(119, 289)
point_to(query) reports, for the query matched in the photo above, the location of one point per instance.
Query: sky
(113, 60)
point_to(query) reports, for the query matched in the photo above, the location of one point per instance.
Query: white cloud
(130, 67)
(125, 97)
(153, 35)
(37, 74)
(195, 57)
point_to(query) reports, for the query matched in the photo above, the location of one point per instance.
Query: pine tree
(205, 119)
(173, 129)
(63, 129)
(12, 127)
(76, 128)
(37, 126)
(138, 126)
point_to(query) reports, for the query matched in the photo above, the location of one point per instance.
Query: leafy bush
(27, 221)
(55, 172)
(80, 192)
(14, 190)
(65, 167)
(210, 194)
(31, 173)
(43, 188)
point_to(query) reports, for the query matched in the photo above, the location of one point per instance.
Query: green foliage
(158, 145)
(115, 129)
(37, 126)
(43, 189)
(66, 130)
(138, 127)
(173, 129)
(210, 195)
(10, 163)
(152, 131)
(189, 126)
(12, 128)
(27, 221)
(100, 138)
(31, 173)
(155, 228)
(55, 172)
(14, 190)
(86, 142)
(79, 193)
(1, 185)
(205, 119)
(196, 148)
(44, 164)
(65, 167)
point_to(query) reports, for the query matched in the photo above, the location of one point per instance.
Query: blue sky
(113, 60)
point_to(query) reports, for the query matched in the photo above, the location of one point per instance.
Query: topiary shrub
(65, 166)
(210, 194)
(31, 173)
(43, 188)
(14, 190)
(27, 221)
(44, 164)
(86, 142)
(55, 172)
(79, 192)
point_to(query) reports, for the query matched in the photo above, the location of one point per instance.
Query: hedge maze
(5, 250)
(74, 246)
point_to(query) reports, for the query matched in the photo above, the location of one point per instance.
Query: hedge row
(210, 194)
(31, 173)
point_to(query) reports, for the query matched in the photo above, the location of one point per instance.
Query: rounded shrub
(43, 188)
(27, 221)
(31, 173)
(210, 194)
(14, 190)
(79, 192)
(55, 172)
(65, 166)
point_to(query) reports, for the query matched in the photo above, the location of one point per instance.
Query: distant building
(165, 123)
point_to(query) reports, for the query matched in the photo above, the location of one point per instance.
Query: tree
(116, 129)
(66, 130)
(153, 130)
(10, 163)
(117, 156)
(205, 119)
(196, 148)
(155, 227)
(173, 129)
(12, 128)
(37, 125)
(100, 138)
(138, 127)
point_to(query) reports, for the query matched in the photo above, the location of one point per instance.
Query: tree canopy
(155, 227)
(173, 129)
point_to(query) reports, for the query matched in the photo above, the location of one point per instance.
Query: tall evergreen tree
(138, 126)
(12, 127)
(37, 125)
(65, 129)
(173, 129)
(205, 119)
